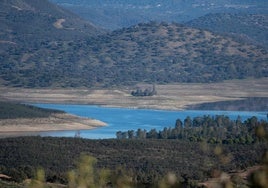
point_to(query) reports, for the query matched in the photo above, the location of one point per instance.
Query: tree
(178, 124)
(141, 134)
(187, 122)
(131, 134)
(118, 134)
(164, 133)
(152, 134)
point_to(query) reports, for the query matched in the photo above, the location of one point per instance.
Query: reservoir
(123, 119)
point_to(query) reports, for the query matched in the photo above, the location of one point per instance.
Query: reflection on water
(123, 119)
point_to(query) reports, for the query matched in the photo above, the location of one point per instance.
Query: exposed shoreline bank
(56, 122)
(169, 97)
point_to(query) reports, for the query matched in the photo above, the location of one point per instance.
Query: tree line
(211, 129)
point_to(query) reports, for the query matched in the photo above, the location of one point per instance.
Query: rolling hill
(41, 51)
(30, 23)
(117, 14)
(251, 27)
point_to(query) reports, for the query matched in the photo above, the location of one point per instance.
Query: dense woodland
(219, 129)
(253, 27)
(75, 53)
(133, 55)
(145, 161)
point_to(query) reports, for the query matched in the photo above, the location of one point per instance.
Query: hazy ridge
(124, 13)
(250, 27)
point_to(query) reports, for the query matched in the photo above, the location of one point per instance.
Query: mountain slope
(31, 22)
(253, 27)
(117, 14)
(153, 52)
(30, 25)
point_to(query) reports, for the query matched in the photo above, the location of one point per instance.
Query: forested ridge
(153, 53)
(45, 46)
(253, 27)
(125, 13)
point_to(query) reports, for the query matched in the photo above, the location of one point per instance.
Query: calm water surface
(123, 119)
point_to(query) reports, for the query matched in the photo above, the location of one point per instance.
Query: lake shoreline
(169, 97)
(124, 119)
(56, 122)
(67, 122)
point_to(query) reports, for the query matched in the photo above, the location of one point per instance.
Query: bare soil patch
(58, 23)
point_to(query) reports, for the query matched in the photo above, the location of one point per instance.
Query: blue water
(123, 119)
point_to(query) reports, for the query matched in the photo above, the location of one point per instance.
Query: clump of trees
(219, 129)
(146, 92)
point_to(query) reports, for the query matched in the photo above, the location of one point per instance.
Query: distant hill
(251, 27)
(33, 22)
(27, 26)
(247, 104)
(117, 14)
(151, 53)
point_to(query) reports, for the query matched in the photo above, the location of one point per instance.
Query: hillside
(251, 27)
(248, 104)
(146, 161)
(42, 45)
(153, 52)
(30, 23)
(117, 14)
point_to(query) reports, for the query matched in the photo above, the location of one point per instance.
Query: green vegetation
(30, 23)
(250, 27)
(117, 14)
(141, 53)
(218, 129)
(247, 104)
(32, 56)
(147, 162)
(11, 110)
